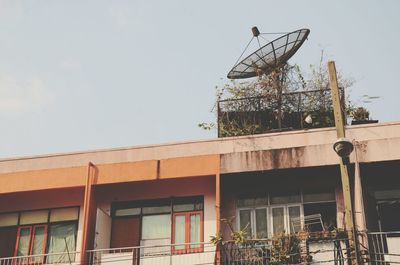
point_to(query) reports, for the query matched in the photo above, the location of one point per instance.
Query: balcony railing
(263, 114)
(177, 254)
(383, 249)
(52, 258)
(287, 251)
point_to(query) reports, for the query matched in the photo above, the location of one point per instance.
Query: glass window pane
(128, 212)
(261, 223)
(187, 204)
(246, 202)
(283, 199)
(318, 196)
(295, 224)
(64, 214)
(184, 207)
(34, 217)
(38, 242)
(156, 209)
(198, 206)
(156, 226)
(179, 229)
(195, 223)
(278, 219)
(261, 201)
(24, 239)
(245, 222)
(8, 219)
(61, 237)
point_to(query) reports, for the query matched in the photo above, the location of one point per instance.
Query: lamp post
(343, 147)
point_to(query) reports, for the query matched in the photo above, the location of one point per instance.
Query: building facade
(161, 204)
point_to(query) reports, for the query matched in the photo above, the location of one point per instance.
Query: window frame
(270, 225)
(32, 229)
(188, 249)
(286, 217)
(269, 206)
(18, 226)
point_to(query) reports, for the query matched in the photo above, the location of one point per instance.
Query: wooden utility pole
(340, 131)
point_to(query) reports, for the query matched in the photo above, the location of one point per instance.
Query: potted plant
(361, 116)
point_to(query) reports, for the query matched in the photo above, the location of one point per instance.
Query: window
(164, 221)
(255, 222)
(321, 205)
(285, 213)
(39, 232)
(187, 232)
(31, 240)
(62, 239)
(156, 226)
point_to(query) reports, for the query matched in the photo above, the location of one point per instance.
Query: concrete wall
(305, 148)
(381, 135)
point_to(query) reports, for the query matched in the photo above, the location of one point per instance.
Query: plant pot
(358, 122)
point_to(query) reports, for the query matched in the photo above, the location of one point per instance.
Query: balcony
(264, 114)
(53, 258)
(154, 255)
(382, 249)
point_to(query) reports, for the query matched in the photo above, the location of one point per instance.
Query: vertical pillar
(218, 208)
(87, 208)
(359, 212)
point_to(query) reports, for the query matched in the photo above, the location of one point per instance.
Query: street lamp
(343, 148)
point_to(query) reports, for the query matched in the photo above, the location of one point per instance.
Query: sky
(82, 75)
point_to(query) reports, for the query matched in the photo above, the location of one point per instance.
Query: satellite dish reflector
(269, 57)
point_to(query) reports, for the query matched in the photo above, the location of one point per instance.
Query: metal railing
(286, 251)
(384, 247)
(253, 115)
(51, 258)
(171, 254)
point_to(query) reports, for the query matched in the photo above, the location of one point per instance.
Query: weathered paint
(189, 166)
(280, 140)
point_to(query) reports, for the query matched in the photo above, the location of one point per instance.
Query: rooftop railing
(271, 113)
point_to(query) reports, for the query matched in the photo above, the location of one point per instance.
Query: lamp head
(343, 147)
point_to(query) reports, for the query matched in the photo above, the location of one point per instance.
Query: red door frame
(187, 248)
(32, 229)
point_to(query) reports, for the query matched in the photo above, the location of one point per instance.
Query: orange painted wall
(109, 173)
(42, 179)
(126, 172)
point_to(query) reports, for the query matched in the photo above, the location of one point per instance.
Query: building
(160, 204)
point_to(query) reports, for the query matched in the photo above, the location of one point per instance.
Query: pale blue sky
(78, 75)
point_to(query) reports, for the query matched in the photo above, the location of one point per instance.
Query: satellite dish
(269, 57)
